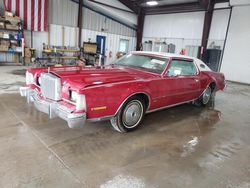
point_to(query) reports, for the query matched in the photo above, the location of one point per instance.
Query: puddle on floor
(19, 72)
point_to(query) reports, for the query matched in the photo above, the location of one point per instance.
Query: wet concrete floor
(11, 78)
(184, 146)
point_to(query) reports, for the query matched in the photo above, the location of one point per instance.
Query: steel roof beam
(206, 27)
(130, 5)
(177, 8)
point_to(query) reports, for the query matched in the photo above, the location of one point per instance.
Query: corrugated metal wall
(1, 7)
(96, 22)
(112, 41)
(64, 13)
(70, 39)
(185, 29)
(70, 34)
(236, 59)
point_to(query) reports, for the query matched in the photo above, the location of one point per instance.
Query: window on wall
(123, 47)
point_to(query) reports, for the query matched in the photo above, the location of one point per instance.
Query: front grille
(51, 86)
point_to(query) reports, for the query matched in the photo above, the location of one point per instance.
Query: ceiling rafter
(166, 9)
(203, 3)
(130, 5)
(199, 5)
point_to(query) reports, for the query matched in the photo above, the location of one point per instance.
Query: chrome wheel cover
(132, 114)
(206, 95)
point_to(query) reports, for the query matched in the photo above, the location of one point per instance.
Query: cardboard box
(5, 43)
(4, 48)
(19, 49)
(2, 25)
(7, 13)
(27, 52)
(13, 45)
(6, 35)
(1, 34)
(9, 26)
(89, 47)
(27, 60)
(13, 20)
(13, 42)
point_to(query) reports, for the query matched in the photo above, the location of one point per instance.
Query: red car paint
(111, 85)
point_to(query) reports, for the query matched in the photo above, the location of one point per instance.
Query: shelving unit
(52, 55)
(52, 52)
(8, 34)
(90, 52)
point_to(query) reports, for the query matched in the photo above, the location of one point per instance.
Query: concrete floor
(183, 146)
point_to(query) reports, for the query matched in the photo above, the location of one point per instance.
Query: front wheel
(129, 116)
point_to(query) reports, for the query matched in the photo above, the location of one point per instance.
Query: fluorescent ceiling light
(152, 3)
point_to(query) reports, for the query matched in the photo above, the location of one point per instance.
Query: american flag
(34, 13)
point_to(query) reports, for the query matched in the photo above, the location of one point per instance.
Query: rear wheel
(204, 98)
(129, 116)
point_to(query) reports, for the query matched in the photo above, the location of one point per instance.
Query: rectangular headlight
(29, 78)
(81, 102)
(73, 96)
(79, 99)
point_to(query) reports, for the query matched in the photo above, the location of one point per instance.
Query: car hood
(88, 77)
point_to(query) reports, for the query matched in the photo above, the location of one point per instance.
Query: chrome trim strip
(172, 105)
(169, 106)
(66, 100)
(37, 85)
(164, 74)
(54, 109)
(100, 119)
(147, 112)
(149, 101)
(206, 88)
(181, 93)
(203, 92)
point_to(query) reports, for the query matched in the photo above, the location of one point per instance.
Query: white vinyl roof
(197, 61)
(163, 54)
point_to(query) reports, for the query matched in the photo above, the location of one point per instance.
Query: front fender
(109, 98)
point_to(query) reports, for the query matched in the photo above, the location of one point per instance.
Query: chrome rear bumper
(53, 108)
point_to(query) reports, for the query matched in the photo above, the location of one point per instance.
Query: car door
(181, 81)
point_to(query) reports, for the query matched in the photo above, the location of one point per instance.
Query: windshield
(145, 62)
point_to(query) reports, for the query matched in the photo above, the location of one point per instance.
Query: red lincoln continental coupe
(139, 83)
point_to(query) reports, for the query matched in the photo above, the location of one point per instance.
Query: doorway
(101, 41)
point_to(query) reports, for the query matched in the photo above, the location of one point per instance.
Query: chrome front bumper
(53, 109)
